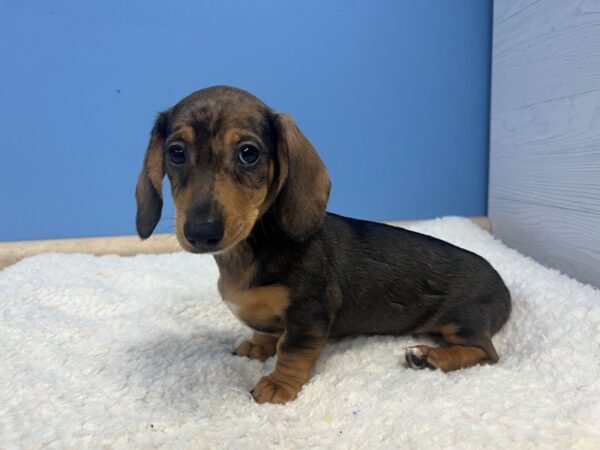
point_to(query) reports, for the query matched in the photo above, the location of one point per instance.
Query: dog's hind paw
(416, 357)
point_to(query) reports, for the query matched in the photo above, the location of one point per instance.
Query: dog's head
(230, 160)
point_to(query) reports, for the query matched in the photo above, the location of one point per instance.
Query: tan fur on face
(239, 205)
(233, 136)
(187, 133)
(183, 200)
(240, 208)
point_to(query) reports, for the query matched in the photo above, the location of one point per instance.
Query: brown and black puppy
(249, 188)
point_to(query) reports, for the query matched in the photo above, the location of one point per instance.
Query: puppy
(249, 188)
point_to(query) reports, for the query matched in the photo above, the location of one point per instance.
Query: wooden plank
(543, 51)
(548, 153)
(11, 252)
(482, 221)
(567, 240)
(544, 182)
(506, 10)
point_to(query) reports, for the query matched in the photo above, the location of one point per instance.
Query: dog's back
(402, 280)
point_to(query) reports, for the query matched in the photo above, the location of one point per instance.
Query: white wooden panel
(557, 238)
(549, 153)
(547, 50)
(544, 193)
(506, 10)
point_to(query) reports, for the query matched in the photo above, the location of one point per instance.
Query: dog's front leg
(297, 354)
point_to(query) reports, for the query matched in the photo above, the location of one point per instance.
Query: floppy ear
(304, 182)
(148, 192)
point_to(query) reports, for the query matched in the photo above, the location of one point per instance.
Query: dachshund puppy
(249, 188)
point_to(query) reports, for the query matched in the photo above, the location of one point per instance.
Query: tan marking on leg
(291, 372)
(447, 329)
(461, 355)
(454, 357)
(487, 346)
(260, 346)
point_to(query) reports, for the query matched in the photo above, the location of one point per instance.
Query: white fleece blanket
(115, 352)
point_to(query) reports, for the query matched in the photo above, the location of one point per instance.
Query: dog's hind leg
(464, 352)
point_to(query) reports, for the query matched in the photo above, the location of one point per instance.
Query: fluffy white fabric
(136, 353)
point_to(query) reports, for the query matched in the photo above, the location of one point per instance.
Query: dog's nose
(203, 235)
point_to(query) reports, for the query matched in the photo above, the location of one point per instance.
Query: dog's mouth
(198, 248)
(205, 249)
(229, 241)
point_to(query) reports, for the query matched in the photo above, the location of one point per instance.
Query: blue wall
(394, 94)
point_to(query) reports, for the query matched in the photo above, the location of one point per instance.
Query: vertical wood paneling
(544, 193)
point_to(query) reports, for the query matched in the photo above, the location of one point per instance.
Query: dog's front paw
(269, 390)
(251, 350)
(417, 357)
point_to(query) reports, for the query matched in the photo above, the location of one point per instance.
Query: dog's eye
(248, 155)
(176, 155)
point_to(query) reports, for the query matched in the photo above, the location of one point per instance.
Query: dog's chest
(261, 308)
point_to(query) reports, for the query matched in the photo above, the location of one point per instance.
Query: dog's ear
(304, 183)
(148, 192)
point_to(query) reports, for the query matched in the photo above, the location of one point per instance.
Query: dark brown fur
(289, 268)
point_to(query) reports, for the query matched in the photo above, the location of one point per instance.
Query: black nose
(203, 235)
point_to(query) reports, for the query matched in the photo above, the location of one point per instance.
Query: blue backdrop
(394, 95)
